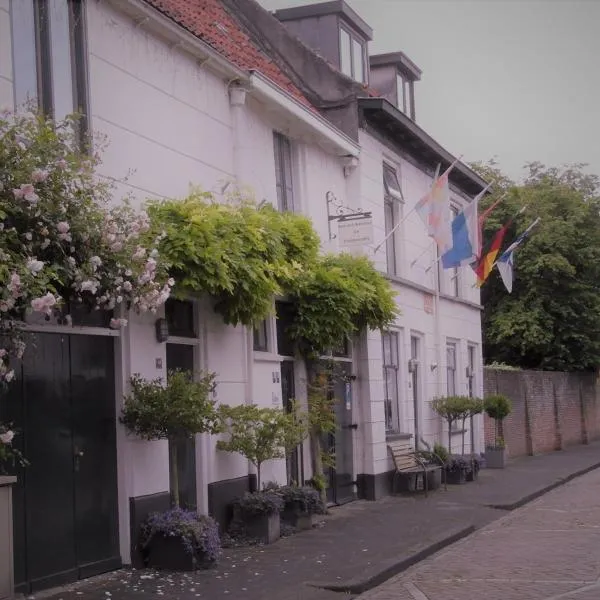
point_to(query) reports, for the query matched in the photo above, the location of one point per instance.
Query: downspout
(237, 101)
(437, 336)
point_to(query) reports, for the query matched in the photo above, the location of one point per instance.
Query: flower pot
(263, 528)
(456, 477)
(169, 554)
(495, 458)
(297, 519)
(434, 479)
(6, 538)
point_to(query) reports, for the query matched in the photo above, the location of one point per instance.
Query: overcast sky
(518, 80)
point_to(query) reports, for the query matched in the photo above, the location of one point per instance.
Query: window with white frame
(403, 91)
(352, 56)
(391, 367)
(50, 57)
(451, 369)
(261, 336)
(283, 172)
(392, 204)
(471, 370)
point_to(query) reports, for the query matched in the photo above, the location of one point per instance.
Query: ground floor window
(391, 366)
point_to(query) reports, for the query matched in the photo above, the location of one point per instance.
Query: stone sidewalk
(358, 546)
(548, 550)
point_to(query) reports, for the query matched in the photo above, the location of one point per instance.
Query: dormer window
(352, 56)
(403, 87)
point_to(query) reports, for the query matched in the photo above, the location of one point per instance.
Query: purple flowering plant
(199, 534)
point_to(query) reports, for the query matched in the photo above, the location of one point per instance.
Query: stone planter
(168, 553)
(495, 458)
(263, 528)
(456, 477)
(6, 538)
(297, 519)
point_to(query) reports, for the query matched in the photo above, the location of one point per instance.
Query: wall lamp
(162, 330)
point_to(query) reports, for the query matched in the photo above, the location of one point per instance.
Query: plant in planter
(457, 468)
(472, 407)
(299, 506)
(474, 462)
(497, 407)
(261, 434)
(178, 409)
(452, 409)
(179, 539)
(256, 516)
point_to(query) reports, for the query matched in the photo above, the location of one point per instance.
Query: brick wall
(550, 410)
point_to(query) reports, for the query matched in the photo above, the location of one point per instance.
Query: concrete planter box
(168, 553)
(6, 538)
(434, 479)
(456, 477)
(297, 519)
(495, 458)
(264, 528)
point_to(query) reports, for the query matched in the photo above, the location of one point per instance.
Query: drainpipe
(437, 336)
(237, 101)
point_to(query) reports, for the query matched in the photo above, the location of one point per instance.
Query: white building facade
(178, 110)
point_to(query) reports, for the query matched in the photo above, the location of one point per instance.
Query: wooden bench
(408, 464)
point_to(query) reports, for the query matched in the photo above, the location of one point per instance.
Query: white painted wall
(6, 70)
(458, 319)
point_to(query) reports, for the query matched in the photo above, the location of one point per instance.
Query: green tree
(261, 434)
(551, 320)
(180, 409)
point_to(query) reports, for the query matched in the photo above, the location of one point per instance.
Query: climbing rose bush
(60, 240)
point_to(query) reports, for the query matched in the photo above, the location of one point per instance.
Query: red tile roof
(209, 21)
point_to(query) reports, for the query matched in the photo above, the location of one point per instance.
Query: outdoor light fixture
(162, 330)
(433, 366)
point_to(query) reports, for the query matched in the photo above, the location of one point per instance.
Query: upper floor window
(352, 56)
(283, 172)
(391, 210)
(49, 57)
(403, 90)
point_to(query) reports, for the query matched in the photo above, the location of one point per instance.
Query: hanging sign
(355, 232)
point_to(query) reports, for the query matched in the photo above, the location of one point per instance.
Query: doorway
(340, 477)
(65, 501)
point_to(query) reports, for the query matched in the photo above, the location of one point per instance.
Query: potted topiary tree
(497, 407)
(175, 539)
(260, 434)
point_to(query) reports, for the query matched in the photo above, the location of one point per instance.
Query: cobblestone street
(548, 550)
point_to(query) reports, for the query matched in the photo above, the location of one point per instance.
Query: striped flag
(484, 266)
(506, 261)
(434, 210)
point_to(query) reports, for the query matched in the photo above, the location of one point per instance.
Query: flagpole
(414, 262)
(412, 210)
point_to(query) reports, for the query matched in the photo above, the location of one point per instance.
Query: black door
(340, 478)
(295, 472)
(181, 356)
(63, 402)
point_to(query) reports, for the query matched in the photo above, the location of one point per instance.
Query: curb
(394, 566)
(533, 496)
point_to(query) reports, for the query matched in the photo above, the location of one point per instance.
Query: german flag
(483, 267)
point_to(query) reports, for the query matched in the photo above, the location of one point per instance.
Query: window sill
(393, 436)
(260, 356)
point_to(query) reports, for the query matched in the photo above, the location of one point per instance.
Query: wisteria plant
(63, 238)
